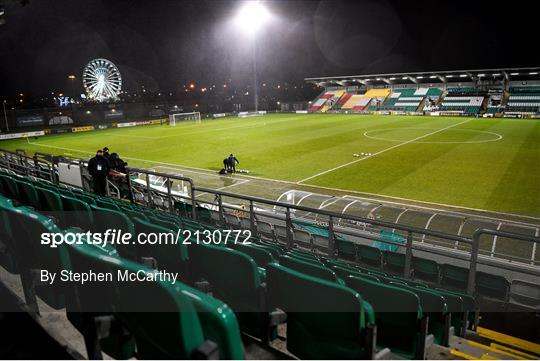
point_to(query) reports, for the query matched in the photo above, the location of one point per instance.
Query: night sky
(164, 44)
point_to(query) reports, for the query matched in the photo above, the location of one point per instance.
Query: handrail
(471, 285)
(332, 216)
(338, 215)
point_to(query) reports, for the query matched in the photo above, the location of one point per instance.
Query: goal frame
(172, 117)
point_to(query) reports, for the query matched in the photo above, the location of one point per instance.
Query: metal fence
(221, 203)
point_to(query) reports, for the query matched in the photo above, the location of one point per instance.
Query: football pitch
(481, 163)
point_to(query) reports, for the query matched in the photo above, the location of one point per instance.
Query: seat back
(393, 262)
(280, 233)
(370, 256)
(308, 268)
(398, 315)
(162, 318)
(27, 194)
(345, 272)
(454, 276)
(26, 228)
(435, 307)
(324, 319)
(235, 279)
(261, 256)
(426, 269)
(302, 237)
(304, 258)
(493, 286)
(108, 219)
(77, 213)
(8, 187)
(49, 200)
(169, 256)
(346, 249)
(265, 229)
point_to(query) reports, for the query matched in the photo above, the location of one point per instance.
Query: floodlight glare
(252, 16)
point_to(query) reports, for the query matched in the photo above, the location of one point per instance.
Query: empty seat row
(249, 280)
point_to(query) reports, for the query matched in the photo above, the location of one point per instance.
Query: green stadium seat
(492, 286)
(274, 251)
(86, 198)
(107, 219)
(346, 249)
(425, 269)
(49, 200)
(8, 187)
(217, 319)
(235, 279)
(76, 213)
(301, 257)
(27, 194)
(162, 318)
(169, 223)
(24, 241)
(393, 262)
(305, 254)
(325, 320)
(106, 203)
(454, 277)
(369, 256)
(344, 272)
(170, 257)
(401, 325)
(261, 256)
(435, 307)
(308, 268)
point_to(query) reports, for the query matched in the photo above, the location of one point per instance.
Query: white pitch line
(383, 151)
(360, 193)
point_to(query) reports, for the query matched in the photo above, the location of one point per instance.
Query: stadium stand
(466, 104)
(326, 101)
(404, 99)
(335, 308)
(523, 100)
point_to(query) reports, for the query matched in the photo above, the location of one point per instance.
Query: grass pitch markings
(497, 136)
(362, 194)
(383, 151)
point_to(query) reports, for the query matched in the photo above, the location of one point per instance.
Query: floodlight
(533, 73)
(252, 16)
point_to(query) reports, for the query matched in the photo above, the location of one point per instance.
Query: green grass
(457, 166)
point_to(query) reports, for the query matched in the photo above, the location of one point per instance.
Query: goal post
(182, 117)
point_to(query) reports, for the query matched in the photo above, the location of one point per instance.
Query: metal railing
(284, 212)
(260, 209)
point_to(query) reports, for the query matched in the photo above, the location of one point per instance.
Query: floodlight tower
(251, 17)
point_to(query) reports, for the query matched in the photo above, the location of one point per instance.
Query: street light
(251, 17)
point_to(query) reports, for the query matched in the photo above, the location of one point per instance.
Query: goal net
(182, 117)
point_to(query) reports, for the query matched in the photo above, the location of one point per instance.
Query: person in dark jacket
(232, 163)
(117, 163)
(226, 166)
(106, 153)
(99, 167)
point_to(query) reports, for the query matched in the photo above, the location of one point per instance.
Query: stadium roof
(443, 76)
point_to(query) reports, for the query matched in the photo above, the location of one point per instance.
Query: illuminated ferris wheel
(102, 80)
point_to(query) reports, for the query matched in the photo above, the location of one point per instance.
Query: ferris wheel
(101, 80)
